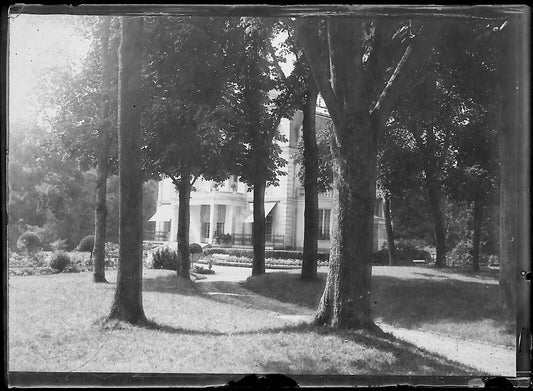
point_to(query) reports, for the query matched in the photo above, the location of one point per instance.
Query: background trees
(264, 96)
(187, 131)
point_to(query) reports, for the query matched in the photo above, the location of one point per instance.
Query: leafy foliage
(86, 244)
(59, 261)
(195, 248)
(185, 118)
(29, 242)
(325, 169)
(165, 259)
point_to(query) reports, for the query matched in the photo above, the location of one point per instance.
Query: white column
(212, 221)
(229, 219)
(174, 223)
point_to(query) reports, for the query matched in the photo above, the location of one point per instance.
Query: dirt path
(226, 287)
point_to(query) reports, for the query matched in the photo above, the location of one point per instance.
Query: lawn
(55, 324)
(457, 302)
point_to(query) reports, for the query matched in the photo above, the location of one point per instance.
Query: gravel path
(489, 359)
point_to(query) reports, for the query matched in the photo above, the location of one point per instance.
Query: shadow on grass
(405, 301)
(415, 301)
(169, 283)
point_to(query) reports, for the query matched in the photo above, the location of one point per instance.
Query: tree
(359, 94)
(310, 161)
(397, 172)
(48, 194)
(187, 127)
(127, 305)
(85, 124)
(105, 135)
(265, 96)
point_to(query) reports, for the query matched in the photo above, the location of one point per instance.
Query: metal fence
(276, 241)
(158, 236)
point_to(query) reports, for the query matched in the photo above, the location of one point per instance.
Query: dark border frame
(489, 12)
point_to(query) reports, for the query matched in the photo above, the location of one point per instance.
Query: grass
(459, 303)
(55, 324)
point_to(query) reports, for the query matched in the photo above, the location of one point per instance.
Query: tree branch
(388, 86)
(307, 34)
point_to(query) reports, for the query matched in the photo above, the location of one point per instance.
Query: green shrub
(29, 242)
(59, 261)
(406, 252)
(202, 270)
(493, 261)
(461, 254)
(224, 239)
(274, 254)
(195, 248)
(165, 259)
(86, 244)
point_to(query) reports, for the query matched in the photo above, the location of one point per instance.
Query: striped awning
(268, 208)
(163, 213)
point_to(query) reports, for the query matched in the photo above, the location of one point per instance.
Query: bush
(195, 248)
(493, 261)
(59, 261)
(224, 239)
(30, 242)
(461, 254)
(202, 270)
(86, 244)
(275, 254)
(406, 251)
(165, 259)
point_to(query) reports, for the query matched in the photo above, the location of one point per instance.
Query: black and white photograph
(267, 195)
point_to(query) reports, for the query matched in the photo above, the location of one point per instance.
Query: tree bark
(258, 228)
(478, 219)
(435, 204)
(390, 233)
(346, 87)
(346, 299)
(102, 160)
(184, 218)
(310, 250)
(127, 305)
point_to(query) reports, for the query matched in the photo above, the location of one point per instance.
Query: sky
(37, 45)
(40, 44)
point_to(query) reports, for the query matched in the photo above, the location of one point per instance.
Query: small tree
(87, 245)
(29, 242)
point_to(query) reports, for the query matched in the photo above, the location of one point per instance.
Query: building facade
(223, 214)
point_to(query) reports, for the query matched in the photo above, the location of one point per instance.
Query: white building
(227, 209)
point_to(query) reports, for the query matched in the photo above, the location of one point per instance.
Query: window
(205, 230)
(166, 226)
(323, 224)
(204, 219)
(220, 229)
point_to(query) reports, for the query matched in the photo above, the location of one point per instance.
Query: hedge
(274, 254)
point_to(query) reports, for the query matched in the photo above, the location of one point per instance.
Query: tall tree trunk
(102, 159)
(390, 233)
(127, 305)
(310, 250)
(478, 219)
(346, 299)
(184, 218)
(258, 228)
(437, 213)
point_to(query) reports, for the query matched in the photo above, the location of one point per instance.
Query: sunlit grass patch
(56, 324)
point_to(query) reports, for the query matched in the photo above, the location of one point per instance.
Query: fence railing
(276, 241)
(158, 236)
